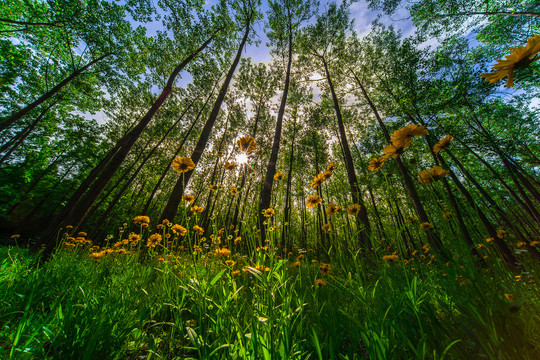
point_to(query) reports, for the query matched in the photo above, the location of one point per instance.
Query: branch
(28, 23)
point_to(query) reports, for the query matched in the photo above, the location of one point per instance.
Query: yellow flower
(519, 58)
(230, 263)
(392, 257)
(406, 133)
(392, 150)
(15, 236)
(313, 200)
(153, 240)
(279, 176)
(188, 198)
(235, 272)
(520, 244)
(331, 166)
(269, 212)
(534, 243)
(237, 240)
(327, 174)
(233, 191)
(246, 144)
(326, 227)
(199, 229)
(324, 268)
(488, 240)
(141, 220)
(429, 175)
(317, 180)
(222, 252)
(183, 164)
(179, 229)
(376, 163)
(230, 165)
(501, 233)
(97, 255)
(354, 209)
(320, 282)
(82, 234)
(196, 209)
(332, 209)
(443, 143)
(213, 187)
(426, 226)
(296, 264)
(509, 297)
(448, 215)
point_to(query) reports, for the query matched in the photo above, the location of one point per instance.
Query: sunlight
(241, 158)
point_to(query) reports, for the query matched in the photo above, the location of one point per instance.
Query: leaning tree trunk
(432, 236)
(170, 210)
(14, 143)
(287, 210)
(266, 191)
(349, 165)
(10, 120)
(77, 213)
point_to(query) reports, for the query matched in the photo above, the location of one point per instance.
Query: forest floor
(212, 304)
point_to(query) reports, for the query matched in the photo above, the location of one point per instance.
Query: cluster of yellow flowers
(401, 139)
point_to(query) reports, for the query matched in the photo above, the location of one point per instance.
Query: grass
(166, 304)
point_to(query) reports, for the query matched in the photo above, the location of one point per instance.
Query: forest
(278, 179)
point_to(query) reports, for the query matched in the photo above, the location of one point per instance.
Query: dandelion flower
(354, 209)
(442, 144)
(313, 200)
(153, 240)
(279, 176)
(392, 257)
(429, 175)
(406, 133)
(317, 180)
(332, 209)
(199, 229)
(196, 209)
(188, 198)
(230, 165)
(426, 226)
(141, 220)
(376, 163)
(183, 164)
(268, 212)
(519, 58)
(246, 144)
(331, 166)
(179, 230)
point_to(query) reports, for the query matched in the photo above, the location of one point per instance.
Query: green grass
(192, 306)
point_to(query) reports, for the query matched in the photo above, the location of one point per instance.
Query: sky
(363, 18)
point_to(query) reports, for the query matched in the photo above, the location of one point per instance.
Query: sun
(241, 158)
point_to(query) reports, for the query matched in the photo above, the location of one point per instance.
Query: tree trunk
(432, 235)
(78, 212)
(364, 235)
(170, 210)
(266, 191)
(10, 120)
